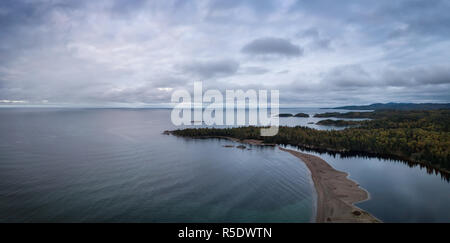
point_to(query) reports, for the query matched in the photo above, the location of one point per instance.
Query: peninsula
(336, 193)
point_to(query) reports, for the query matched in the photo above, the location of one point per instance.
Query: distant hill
(396, 106)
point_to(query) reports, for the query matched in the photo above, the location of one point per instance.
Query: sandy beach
(336, 194)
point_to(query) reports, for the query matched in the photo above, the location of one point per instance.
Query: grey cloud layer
(272, 46)
(211, 68)
(314, 52)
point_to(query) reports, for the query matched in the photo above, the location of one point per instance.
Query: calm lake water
(115, 165)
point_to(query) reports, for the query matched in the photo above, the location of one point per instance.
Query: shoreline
(336, 193)
(445, 173)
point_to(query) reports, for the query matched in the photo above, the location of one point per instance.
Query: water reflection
(364, 155)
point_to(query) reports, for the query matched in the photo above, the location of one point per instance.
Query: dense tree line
(292, 115)
(285, 115)
(416, 136)
(301, 115)
(338, 123)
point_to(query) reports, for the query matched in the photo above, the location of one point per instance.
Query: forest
(292, 115)
(414, 136)
(338, 123)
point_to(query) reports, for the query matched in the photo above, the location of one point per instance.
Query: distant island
(352, 115)
(418, 137)
(337, 123)
(396, 106)
(285, 115)
(301, 115)
(291, 115)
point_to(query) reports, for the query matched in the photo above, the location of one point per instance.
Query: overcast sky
(138, 52)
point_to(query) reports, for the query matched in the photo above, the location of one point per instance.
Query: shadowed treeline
(416, 137)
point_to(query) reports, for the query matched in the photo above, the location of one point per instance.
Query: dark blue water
(114, 165)
(398, 192)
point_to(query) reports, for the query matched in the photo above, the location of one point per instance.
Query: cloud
(254, 70)
(357, 76)
(272, 46)
(419, 17)
(348, 76)
(257, 7)
(418, 76)
(316, 39)
(138, 51)
(211, 68)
